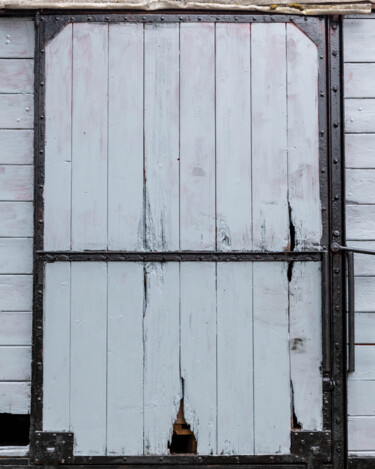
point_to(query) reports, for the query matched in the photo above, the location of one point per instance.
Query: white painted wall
(16, 211)
(359, 79)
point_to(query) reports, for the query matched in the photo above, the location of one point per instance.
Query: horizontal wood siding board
(16, 183)
(16, 219)
(360, 186)
(16, 146)
(17, 38)
(361, 433)
(16, 76)
(365, 328)
(15, 363)
(361, 397)
(15, 398)
(16, 255)
(360, 115)
(15, 328)
(364, 363)
(359, 36)
(360, 222)
(16, 292)
(360, 151)
(364, 264)
(16, 111)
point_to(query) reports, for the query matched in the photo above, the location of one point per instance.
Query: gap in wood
(183, 439)
(14, 429)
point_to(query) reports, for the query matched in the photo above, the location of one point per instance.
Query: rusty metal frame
(326, 33)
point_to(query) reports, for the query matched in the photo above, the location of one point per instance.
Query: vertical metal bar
(326, 311)
(351, 322)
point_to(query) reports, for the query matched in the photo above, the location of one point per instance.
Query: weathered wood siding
(185, 168)
(215, 335)
(359, 71)
(16, 211)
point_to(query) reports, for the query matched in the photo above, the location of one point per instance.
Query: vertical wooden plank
(269, 142)
(56, 348)
(271, 359)
(303, 139)
(89, 147)
(197, 136)
(125, 137)
(233, 137)
(162, 384)
(125, 359)
(305, 313)
(88, 375)
(162, 136)
(58, 161)
(198, 351)
(235, 358)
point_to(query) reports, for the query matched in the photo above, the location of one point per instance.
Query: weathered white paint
(89, 136)
(359, 36)
(270, 207)
(197, 136)
(361, 397)
(359, 115)
(16, 76)
(365, 328)
(56, 347)
(15, 363)
(162, 383)
(361, 433)
(125, 137)
(16, 183)
(359, 80)
(364, 363)
(125, 358)
(365, 294)
(16, 111)
(88, 387)
(303, 139)
(360, 222)
(14, 398)
(360, 150)
(198, 351)
(161, 98)
(16, 146)
(360, 186)
(16, 256)
(58, 157)
(17, 38)
(272, 415)
(305, 312)
(16, 219)
(233, 137)
(235, 413)
(15, 328)
(16, 292)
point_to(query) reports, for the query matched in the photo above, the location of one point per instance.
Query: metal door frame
(310, 450)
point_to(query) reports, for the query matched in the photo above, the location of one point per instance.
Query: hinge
(53, 447)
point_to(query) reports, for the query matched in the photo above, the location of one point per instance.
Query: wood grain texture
(162, 136)
(235, 426)
(270, 207)
(125, 359)
(359, 115)
(58, 150)
(16, 76)
(305, 312)
(198, 351)
(271, 359)
(197, 136)
(360, 186)
(16, 183)
(89, 133)
(16, 292)
(15, 328)
(16, 256)
(15, 363)
(15, 398)
(125, 137)
(56, 347)
(361, 397)
(360, 151)
(303, 139)
(17, 38)
(16, 111)
(361, 433)
(360, 222)
(16, 146)
(162, 384)
(359, 36)
(233, 137)
(88, 341)
(359, 80)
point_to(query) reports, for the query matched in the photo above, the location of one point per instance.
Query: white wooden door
(182, 139)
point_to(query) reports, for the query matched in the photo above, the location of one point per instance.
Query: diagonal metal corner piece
(53, 447)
